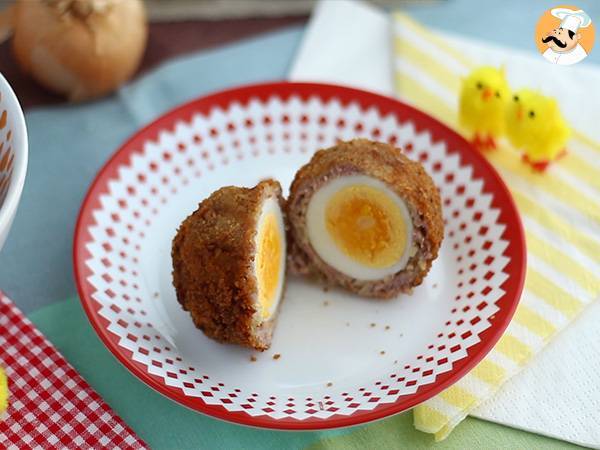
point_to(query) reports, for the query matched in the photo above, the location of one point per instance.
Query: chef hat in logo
(572, 20)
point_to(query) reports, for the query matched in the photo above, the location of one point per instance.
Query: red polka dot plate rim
(336, 359)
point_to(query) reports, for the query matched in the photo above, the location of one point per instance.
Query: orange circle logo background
(548, 22)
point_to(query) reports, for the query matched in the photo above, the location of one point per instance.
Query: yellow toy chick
(535, 125)
(483, 98)
(3, 391)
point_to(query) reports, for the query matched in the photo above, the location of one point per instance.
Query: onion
(80, 48)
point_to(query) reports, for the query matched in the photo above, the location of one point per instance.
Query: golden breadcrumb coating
(213, 265)
(405, 177)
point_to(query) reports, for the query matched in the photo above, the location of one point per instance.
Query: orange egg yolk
(268, 262)
(366, 225)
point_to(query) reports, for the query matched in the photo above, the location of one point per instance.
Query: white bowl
(13, 156)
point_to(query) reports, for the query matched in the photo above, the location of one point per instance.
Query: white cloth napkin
(347, 43)
(558, 394)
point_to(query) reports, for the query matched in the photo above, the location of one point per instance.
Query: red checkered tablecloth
(50, 405)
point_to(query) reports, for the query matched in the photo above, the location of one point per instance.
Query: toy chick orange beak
(519, 113)
(486, 94)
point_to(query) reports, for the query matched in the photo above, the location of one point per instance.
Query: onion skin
(83, 49)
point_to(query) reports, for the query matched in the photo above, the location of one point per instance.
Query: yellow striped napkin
(560, 212)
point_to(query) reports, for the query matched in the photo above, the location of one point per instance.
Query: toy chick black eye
(531, 114)
(516, 98)
(479, 85)
(497, 94)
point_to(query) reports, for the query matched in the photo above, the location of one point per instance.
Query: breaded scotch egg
(229, 264)
(365, 217)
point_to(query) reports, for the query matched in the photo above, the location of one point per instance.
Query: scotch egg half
(229, 261)
(365, 217)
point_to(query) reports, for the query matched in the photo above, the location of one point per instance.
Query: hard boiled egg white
(360, 227)
(269, 262)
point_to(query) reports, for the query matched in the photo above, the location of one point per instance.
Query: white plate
(343, 359)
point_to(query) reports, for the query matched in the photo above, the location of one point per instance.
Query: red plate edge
(509, 215)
